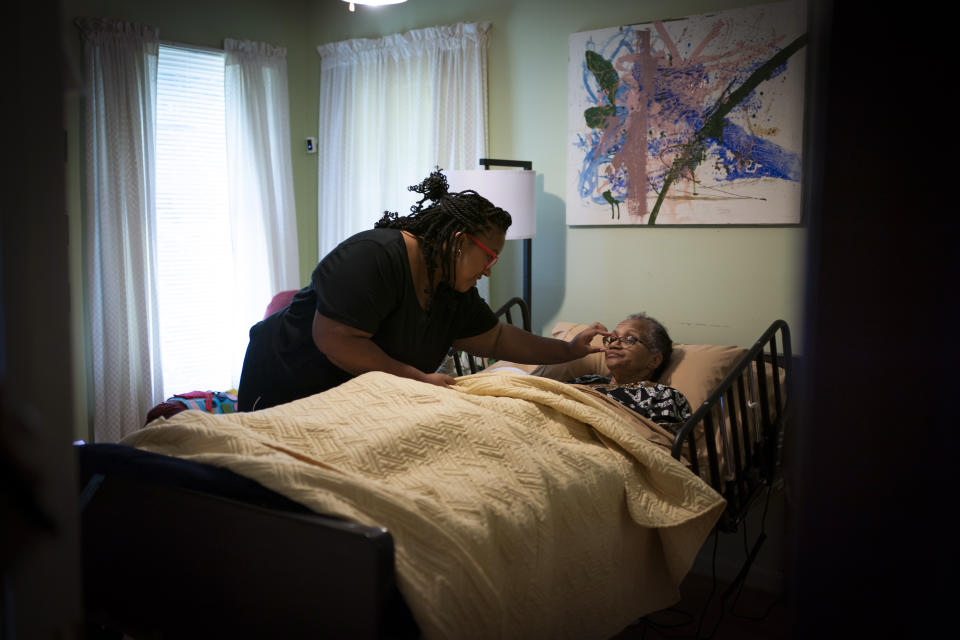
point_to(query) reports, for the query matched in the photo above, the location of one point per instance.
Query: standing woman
(395, 299)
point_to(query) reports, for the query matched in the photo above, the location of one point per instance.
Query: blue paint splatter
(743, 156)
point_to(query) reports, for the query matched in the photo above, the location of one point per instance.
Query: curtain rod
(196, 47)
(78, 23)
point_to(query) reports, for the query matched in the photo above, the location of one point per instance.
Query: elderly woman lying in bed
(637, 352)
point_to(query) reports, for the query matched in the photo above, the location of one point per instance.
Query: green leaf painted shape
(596, 117)
(605, 74)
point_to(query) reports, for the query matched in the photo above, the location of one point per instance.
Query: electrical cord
(661, 627)
(763, 533)
(741, 578)
(650, 624)
(713, 589)
(735, 589)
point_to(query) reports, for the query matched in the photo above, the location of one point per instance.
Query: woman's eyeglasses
(493, 257)
(626, 342)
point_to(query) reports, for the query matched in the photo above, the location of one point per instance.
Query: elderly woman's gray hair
(656, 339)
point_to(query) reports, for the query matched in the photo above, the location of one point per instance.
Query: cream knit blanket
(520, 507)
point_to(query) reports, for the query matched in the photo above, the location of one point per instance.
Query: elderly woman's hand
(580, 345)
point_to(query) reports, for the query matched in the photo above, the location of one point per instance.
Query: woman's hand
(580, 345)
(439, 379)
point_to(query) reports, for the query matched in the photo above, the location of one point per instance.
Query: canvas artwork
(697, 120)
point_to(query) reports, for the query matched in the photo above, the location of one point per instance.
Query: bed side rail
(162, 557)
(740, 425)
(161, 561)
(507, 313)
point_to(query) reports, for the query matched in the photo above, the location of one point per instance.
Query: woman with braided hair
(395, 299)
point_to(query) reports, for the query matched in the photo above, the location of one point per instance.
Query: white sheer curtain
(121, 79)
(263, 222)
(391, 110)
(121, 232)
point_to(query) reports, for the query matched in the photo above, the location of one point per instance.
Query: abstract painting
(696, 120)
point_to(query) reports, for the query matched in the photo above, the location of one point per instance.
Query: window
(195, 261)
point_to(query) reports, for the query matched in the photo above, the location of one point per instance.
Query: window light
(195, 257)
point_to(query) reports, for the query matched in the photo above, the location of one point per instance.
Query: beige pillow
(696, 369)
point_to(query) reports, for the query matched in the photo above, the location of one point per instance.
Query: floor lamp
(513, 191)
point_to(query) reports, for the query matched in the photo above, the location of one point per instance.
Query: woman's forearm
(357, 355)
(507, 342)
(353, 351)
(538, 350)
(517, 345)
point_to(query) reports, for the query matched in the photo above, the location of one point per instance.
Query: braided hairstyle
(437, 224)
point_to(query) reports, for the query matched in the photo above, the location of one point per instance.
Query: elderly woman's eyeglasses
(493, 257)
(627, 342)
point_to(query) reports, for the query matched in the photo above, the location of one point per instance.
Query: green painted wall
(711, 285)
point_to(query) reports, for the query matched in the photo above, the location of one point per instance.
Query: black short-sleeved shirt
(365, 283)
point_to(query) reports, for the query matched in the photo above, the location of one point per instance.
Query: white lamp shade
(513, 191)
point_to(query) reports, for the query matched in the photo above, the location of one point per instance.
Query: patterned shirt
(664, 405)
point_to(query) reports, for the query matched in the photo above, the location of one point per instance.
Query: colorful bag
(209, 401)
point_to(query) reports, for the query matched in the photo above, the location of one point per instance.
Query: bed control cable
(739, 581)
(685, 618)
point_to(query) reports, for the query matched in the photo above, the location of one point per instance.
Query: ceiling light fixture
(372, 3)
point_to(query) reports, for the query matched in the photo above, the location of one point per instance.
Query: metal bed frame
(751, 428)
(506, 311)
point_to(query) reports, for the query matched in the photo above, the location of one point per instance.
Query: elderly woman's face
(478, 253)
(631, 362)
